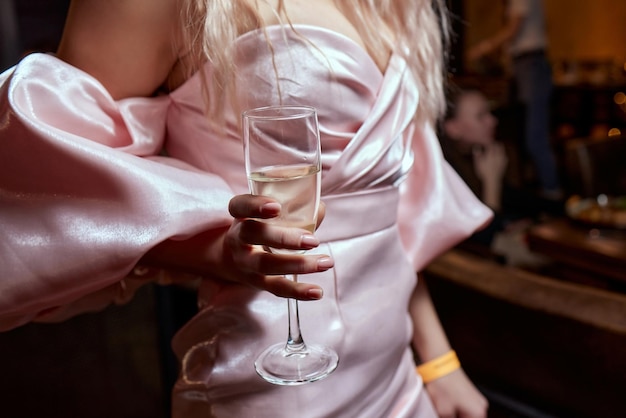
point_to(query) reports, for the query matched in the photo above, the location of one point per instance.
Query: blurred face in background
(472, 122)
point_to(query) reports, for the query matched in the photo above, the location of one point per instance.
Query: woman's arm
(453, 395)
(497, 40)
(207, 254)
(429, 339)
(130, 46)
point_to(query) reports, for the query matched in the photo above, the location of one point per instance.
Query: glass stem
(295, 342)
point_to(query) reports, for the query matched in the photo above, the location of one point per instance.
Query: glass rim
(259, 113)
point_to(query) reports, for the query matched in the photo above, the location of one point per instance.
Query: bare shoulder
(128, 45)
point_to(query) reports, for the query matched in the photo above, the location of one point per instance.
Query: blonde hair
(419, 28)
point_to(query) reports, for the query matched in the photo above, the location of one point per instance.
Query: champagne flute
(282, 154)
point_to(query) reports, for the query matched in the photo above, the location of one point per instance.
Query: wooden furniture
(536, 346)
(582, 254)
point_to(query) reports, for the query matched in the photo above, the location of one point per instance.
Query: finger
(275, 236)
(283, 287)
(281, 264)
(252, 206)
(262, 262)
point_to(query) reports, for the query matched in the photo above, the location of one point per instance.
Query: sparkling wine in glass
(282, 153)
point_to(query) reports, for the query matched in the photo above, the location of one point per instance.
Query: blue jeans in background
(533, 77)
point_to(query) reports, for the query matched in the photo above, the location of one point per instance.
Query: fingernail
(270, 208)
(325, 263)
(315, 293)
(309, 241)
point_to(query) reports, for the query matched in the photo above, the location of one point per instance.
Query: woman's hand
(248, 234)
(236, 253)
(490, 165)
(454, 396)
(490, 162)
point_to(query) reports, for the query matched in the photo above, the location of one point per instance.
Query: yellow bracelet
(439, 367)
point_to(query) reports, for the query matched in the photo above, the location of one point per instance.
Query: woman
(469, 144)
(93, 122)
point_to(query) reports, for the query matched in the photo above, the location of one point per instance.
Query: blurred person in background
(469, 144)
(525, 39)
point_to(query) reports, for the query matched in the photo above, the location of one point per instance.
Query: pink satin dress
(83, 194)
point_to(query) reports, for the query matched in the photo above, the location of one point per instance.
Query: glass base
(282, 367)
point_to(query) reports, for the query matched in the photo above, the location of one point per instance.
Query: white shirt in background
(532, 34)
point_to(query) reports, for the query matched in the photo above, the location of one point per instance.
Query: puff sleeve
(84, 192)
(437, 209)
